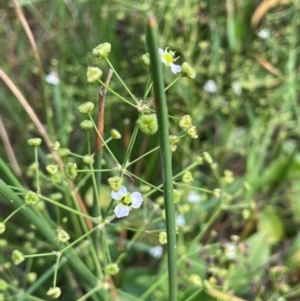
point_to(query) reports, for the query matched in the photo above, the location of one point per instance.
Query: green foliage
(239, 214)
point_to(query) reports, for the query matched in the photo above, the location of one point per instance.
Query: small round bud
(217, 192)
(162, 237)
(173, 148)
(86, 108)
(115, 134)
(31, 198)
(55, 146)
(185, 122)
(3, 243)
(52, 169)
(148, 124)
(192, 132)
(199, 160)
(187, 177)
(112, 269)
(2, 228)
(3, 285)
(102, 50)
(146, 59)
(62, 235)
(115, 183)
(71, 170)
(17, 257)
(64, 152)
(177, 195)
(31, 277)
(54, 292)
(87, 159)
(196, 280)
(207, 158)
(86, 125)
(93, 74)
(35, 142)
(145, 188)
(188, 71)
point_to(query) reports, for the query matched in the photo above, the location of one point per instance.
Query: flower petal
(121, 210)
(175, 68)
(161, 51)
(136, 199)
(119, 194)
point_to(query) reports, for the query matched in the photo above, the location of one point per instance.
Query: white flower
(126, 201)
(52, 78)
(194, 197)
(156, 251)
(230, 250)
(210, 86)
(167, 58)
(264, 33)
(180, 220)
(236, 88)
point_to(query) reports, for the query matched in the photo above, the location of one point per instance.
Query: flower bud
(71, 170)
(87, 159)
(93, 74)
(187, 177)
(102, 50)
(86, 108)
(162, 237)
(192, 132)
(185, 122)
(199, 160)
(35, 142)
(17, 257)
(56, 196)
(112, 269)
(217, 192)
(31, 198)
(52, 169)
(3, 243)
(2, 228)
(177, 195)
(115, 134)
(207, 158)
(148, 124)
(54, 292)
(86, 125)
(115, 183)
(55, 146)
(146, 59)
(64, 152)
(3, 285)
(62, 235)
(31, 277)
(187, 71)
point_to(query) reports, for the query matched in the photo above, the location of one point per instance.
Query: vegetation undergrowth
(168, 175)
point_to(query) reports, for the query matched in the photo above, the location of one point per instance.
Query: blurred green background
(244, 100)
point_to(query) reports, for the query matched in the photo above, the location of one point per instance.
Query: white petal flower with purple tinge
(126, 201)
(167, 58)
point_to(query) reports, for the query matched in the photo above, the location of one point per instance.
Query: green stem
(173, 82)
(37, 170)
(13, 213)
(120, 79)
(130, 146)
(79, 268)
(162, 116)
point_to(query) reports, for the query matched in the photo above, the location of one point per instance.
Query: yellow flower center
(126, 200)
(168, 57)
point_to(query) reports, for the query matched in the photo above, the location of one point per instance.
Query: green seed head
(93, 74)
(148, 124)
(102, 50)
